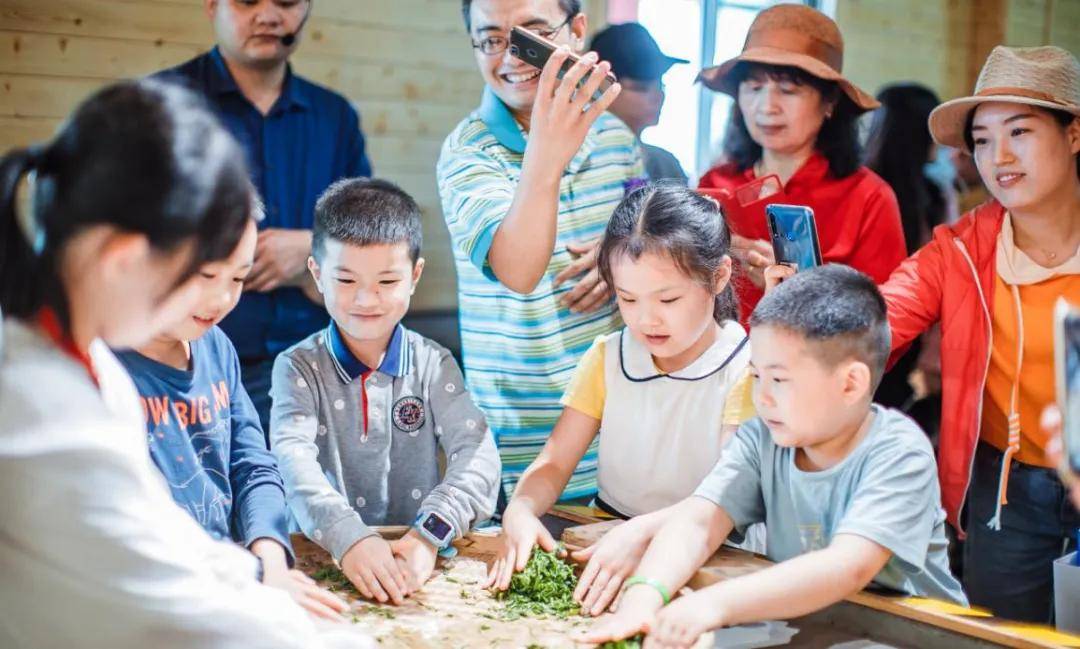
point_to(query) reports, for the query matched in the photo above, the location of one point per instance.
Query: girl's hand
(611, 560)
(521, 531)
(682, 622)
(371, 567)
(315, 600)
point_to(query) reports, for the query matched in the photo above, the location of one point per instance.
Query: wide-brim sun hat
(796, 36)
(1047, 76)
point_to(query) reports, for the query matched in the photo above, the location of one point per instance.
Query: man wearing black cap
(639, 64)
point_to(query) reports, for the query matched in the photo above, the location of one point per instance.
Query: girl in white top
(138, 190)
(663, 394)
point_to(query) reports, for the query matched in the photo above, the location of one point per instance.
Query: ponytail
(21, 262)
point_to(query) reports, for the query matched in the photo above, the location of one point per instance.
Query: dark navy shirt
(205, 437)
(310, 138)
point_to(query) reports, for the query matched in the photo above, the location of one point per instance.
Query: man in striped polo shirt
(528, 182)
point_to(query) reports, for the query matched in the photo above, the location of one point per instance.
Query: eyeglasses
(493, 45)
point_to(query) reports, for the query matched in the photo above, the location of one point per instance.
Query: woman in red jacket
(795, 116)
(992, 279)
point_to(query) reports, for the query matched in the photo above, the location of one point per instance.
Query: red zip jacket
(951, 280)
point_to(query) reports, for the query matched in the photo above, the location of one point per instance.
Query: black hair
(837, 310)
(570, 7)
(669, 219)
(897, 148)
(838, 139)
(142, 156)
(364, 212)
(1062, 117)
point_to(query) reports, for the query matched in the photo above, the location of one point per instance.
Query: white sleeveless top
(660, 434)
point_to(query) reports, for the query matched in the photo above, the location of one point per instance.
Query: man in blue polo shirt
(299, 138)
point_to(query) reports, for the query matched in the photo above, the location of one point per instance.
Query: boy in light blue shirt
(847, 489)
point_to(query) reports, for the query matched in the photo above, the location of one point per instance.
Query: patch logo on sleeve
(409, 414)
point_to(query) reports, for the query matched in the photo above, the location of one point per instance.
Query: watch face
(438, 528)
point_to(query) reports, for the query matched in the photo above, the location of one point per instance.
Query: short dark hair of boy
(366, 212)
(837, 310)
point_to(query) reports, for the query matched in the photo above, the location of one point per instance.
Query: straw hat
(797, 36)
(1045, 76)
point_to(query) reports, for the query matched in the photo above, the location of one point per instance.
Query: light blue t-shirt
(886, 491)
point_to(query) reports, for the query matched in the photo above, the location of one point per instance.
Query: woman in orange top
(991, 279)
(796, 117)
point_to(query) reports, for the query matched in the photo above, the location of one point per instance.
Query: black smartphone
(794, 235)
(536, 50)
(1067, 369)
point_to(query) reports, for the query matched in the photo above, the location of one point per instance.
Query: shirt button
(450, 387)
(361, 501)
(416, 494)
(438, 430)
(314, 365)
(339, 404)
(453, 457)
(317, 535)
(322, 429)
(470, 423)
(301, 383)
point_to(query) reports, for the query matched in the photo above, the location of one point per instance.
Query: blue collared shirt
(309, 138)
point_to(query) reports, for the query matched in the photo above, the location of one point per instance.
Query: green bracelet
(649, 581)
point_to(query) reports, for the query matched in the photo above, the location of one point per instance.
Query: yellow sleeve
(587, 392)
(739, 404)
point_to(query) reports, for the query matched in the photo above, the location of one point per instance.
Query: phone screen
(1069, 381)
(794, 235)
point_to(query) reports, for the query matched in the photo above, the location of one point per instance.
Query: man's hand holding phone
(563, 113)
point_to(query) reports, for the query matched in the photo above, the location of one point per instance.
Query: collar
(396, 361)
(1016, 268)
(50, 324)
(637, 363)
(500, 121)
(221, 82)
(811, 173)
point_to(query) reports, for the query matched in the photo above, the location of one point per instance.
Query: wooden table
(896, 620)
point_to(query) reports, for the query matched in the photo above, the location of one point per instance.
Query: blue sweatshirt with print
(205, 437)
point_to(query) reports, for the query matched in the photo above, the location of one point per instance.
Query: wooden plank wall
(943, 43)
(406, 64)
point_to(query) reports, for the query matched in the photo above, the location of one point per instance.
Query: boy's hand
(521, 531)
(418, 555)
(371, 567)
(682, 622)
(636, 612)
(305, 592)
(611, 560)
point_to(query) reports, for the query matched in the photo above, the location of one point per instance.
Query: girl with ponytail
(661, 395)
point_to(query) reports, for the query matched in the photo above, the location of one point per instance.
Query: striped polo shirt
(520, 351)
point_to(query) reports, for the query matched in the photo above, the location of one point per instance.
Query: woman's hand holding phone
(562, 113)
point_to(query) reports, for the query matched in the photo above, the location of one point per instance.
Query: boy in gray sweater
(361, 409)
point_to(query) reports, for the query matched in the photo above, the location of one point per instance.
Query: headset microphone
(288, 39)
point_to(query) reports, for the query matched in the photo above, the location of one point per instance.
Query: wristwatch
(435, 529)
